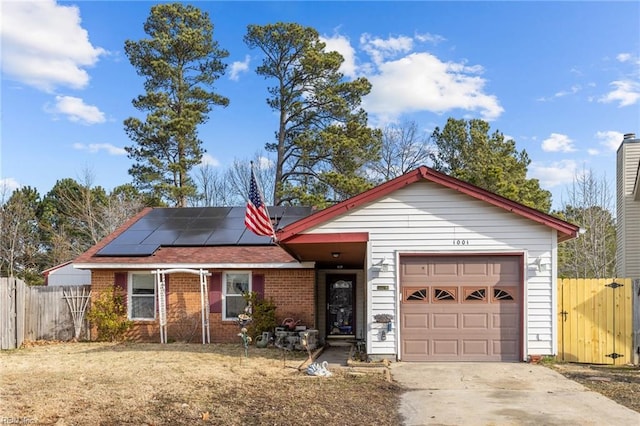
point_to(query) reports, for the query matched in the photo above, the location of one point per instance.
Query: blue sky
(560, 78)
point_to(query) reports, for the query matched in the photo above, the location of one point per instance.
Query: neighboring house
(467, 275)
(66, 274)
(628, 207)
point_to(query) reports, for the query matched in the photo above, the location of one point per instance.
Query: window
(503, 294)
(412, 294)
(474, 294)
(234, 285)
(445, 294)
(142, 301)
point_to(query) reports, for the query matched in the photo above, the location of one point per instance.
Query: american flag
(257, 218)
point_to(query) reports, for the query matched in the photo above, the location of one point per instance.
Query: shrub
(263, 316)
(109, 314)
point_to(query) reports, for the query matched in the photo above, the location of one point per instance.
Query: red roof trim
(343, 237)
(566, 230)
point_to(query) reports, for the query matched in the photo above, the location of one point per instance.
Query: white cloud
(45, 46)
(625, 92)
(7, 186)
(239, 67)
(77, 111)
(592, 151)
(265, 163)
(554, 174)
(572, 91)
(421, 81)
(623, 57)
(209, 160)
(97, 147)
(557, 142)
(380, 49)
(610, 139)
(430, 38)
(342, 45)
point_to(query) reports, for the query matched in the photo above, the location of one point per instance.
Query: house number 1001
(460, 242)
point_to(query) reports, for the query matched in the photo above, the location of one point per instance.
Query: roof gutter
(129, 266)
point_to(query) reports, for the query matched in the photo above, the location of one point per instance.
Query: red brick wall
(292, 291)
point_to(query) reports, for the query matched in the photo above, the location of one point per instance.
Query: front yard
(153, 384)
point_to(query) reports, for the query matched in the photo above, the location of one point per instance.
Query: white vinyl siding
(427, 218)
(628, 211)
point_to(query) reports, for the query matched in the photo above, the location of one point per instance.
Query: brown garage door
(464, 308)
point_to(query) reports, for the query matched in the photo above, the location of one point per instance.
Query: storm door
(341, 292)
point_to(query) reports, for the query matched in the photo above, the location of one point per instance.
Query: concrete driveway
(500, 394)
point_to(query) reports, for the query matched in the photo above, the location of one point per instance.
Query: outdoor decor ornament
(243, 320)
(246, 340)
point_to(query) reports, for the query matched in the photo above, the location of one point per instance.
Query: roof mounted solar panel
(194, 226)
(122, 250)
(192, 237)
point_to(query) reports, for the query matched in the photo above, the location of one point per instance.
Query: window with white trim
(234, 285)
(142, 296)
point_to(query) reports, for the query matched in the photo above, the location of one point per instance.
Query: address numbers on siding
(460, 242)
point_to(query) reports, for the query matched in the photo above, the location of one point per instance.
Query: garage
(461, 308)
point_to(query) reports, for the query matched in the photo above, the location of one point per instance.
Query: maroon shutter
(215, 293)
(257, 285)
(166, 284)
(120, 284)
(120, 281)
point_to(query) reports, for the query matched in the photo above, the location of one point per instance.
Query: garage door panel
(467, 308)
(478, 321)
(505, 321)
(471, 269)
(475, 347)
(447, 321)
(417, 321)
(415, 349)
(506, 348)
(446, 347)
(444, 271)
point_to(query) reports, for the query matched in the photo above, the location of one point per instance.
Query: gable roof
(188, 236)
(565, 230)
(192, 227)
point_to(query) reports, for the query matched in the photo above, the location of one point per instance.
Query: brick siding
(292, 291)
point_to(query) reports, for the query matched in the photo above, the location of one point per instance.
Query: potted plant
(383, 318)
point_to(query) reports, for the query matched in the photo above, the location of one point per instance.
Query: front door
(341, 292)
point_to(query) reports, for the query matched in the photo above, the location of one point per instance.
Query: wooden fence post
(636, 321)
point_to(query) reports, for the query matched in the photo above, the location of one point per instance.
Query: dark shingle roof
(192, 227)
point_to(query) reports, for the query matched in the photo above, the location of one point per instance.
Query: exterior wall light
(541, 264)
(382, 265)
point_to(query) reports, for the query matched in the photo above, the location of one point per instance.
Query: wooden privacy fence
(39, 313)
(596, 320)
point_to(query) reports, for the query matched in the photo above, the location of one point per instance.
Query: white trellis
(77, 299)
(161, 290)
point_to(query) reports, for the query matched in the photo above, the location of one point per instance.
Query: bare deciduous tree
(404, 148)
(589, 204)
(231, 187)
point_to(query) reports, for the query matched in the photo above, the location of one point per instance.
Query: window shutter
(257, 285)
(120, 281)
(215, 293)
(166, 284)
(120, 284)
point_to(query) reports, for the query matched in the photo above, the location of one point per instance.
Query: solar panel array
(194, 226)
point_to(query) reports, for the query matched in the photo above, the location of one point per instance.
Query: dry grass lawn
(175, 384)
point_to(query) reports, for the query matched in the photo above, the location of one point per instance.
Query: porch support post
(204, 306)
(162, 304)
